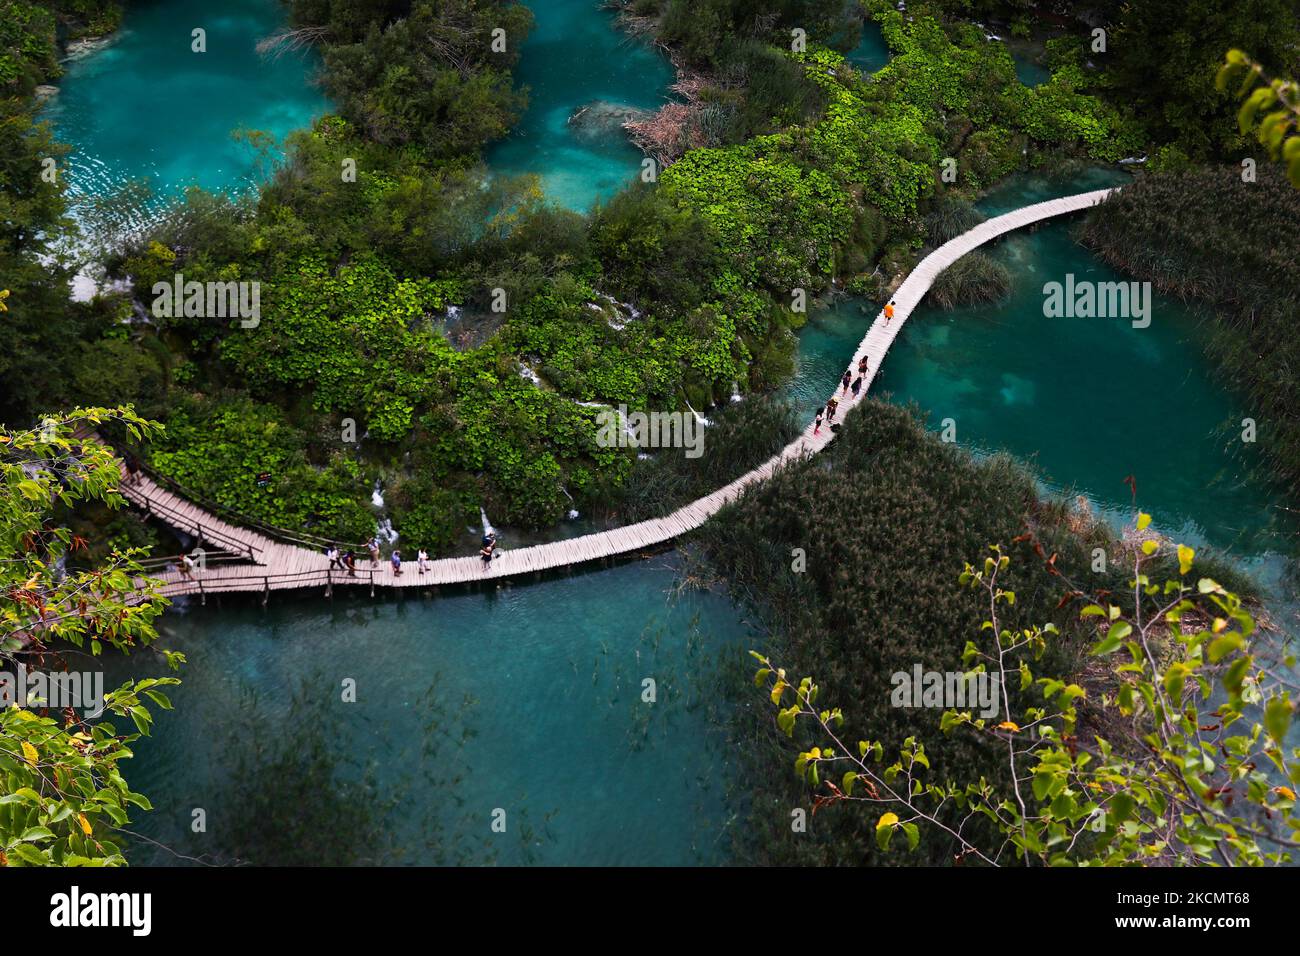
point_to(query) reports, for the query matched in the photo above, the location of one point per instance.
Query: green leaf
(1277, 717)
(1222, 646)
(1114, 638)
(913, 835)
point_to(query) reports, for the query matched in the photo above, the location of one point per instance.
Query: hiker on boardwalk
(830, 409)
(332, 553)
(373, 545)
(487, 550)
(889, 311)
(862, 366)
(132, 468)
(422, 560)
(187, 567)
(857, 386)
(350, 562)
(396, 558)
(845, 381)
(817, 423)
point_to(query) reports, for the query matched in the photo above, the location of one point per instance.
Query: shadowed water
(529, 699)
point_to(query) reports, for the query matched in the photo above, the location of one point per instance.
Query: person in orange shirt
(889, 311)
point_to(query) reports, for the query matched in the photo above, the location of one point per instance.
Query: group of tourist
(347, 561)
(848, 384)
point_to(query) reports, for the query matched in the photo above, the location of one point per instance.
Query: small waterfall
(384, 530)
(698, 417)
(628, 430)
(487, 525)
(377, 496)
(573, 512)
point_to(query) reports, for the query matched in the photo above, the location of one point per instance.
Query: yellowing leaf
(1010, 725)
(1185, 555)
(85, 824)
(1285, 792)
(30, 753)
(888, 820)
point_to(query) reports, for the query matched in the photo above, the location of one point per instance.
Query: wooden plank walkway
(274, 566)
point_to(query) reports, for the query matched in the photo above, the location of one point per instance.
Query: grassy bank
(852, 561)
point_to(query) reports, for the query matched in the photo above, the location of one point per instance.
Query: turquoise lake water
(1029, 72)
(573, 58)
(871, 53)
(148, 108)
(532, 695)
(528, 698)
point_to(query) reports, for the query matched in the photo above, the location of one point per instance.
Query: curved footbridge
(268, 563)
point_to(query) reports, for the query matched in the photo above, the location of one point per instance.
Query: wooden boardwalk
(274, 565)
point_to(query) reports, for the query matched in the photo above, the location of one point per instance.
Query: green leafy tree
(62, 794)
(1195, 770)
(1271, 107)
(1161, 56)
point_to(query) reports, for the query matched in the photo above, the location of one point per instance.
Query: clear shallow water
(574, 57)
(147, 108)
(871, 53)
(1087, 401)
(1029, 72)
(531, 694)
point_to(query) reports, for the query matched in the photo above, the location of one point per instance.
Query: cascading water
(573, 512)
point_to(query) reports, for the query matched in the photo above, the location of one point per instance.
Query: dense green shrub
(431, 76)
(880, 520)
(219, 445)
